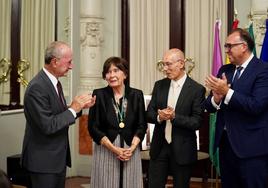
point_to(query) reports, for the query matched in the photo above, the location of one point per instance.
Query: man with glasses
(175, 109)
(239, 95)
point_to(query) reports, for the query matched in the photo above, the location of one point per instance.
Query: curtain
(37, 31)
(5, 20)
(199, 33)
(149, 39)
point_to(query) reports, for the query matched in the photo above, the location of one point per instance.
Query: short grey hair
(54, 50)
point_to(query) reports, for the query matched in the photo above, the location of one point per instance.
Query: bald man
(175, 109)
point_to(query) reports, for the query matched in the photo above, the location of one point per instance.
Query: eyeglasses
(169, 64)
(229, 46)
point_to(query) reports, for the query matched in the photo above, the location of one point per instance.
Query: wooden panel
(204, 133)
(177, 24)
(125, 33)
(15, 54)
(230, 9)
(202, 167)
(85, 140)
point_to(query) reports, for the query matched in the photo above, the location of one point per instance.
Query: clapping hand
(91, 102)
(219, 86)
(82, 101)
(166, 114)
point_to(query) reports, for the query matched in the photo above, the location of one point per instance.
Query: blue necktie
(237, 75)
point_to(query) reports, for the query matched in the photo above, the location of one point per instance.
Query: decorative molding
(258, 18)
(89, 84)
(5, 68)
(85, 16)
(90, 75)
(22, 66)
(92, 36)
(91, 40)
(66, 28)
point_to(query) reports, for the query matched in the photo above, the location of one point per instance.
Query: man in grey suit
(46, 150)
(175, 109)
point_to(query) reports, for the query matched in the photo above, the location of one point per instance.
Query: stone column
(259, 5)
(259, 15)
(91, 39)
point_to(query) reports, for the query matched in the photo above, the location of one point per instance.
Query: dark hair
(245, 36)
(4, 181)
(119, 62)
(54, 50)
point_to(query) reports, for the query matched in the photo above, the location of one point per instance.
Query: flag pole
(211, 175)
(217, 180)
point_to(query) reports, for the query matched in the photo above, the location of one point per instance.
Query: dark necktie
(61, 96)
(237, 75)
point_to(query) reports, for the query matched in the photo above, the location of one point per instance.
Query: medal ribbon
(120, 113)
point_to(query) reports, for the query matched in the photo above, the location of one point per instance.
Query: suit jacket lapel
(229, 74)
(127, 92)
(245, 74)
(248, 70)
(164, 89)
(184, 91)
(51, 88)
(109, 97)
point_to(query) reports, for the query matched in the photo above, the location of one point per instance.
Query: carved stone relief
(92, 36)
(259, 19)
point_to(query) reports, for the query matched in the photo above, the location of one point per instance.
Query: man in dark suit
(46, 150)
(175, 109)
(240, 97)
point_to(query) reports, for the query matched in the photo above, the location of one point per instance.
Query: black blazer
(103, 119)
(45, 145)
(188, 117)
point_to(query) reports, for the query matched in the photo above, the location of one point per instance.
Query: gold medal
(121, 125)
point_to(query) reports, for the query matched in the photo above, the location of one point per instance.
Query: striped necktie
(237, 75)
(60, 93)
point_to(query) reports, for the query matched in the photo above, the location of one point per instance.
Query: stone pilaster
(259, 14)
(91, 40)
